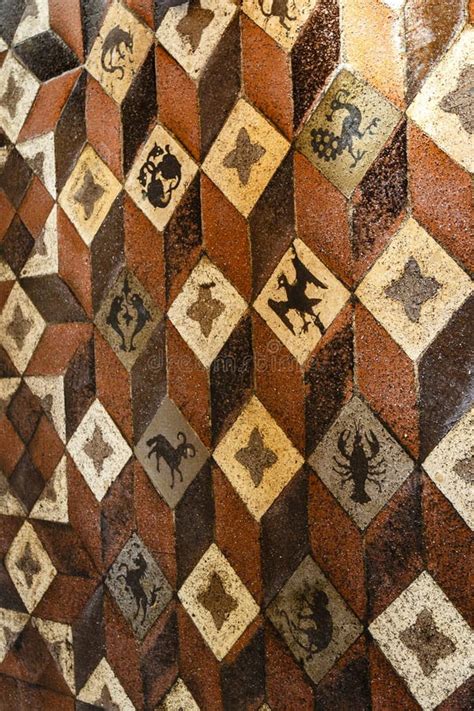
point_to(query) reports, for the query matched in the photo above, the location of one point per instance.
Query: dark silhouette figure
(278, 8)
(160, 179)
(127, 308)
(114, 49)
(359, 467)
(314, 627)
(173, 456)
(132, 578)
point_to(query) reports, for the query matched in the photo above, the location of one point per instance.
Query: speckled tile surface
(236, 342)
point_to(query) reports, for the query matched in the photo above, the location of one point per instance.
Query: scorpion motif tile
(257, 457)
(347, 131)
(427, 641)
(218, 602)
(179, 697)
(138, 586)
(171, 453)
(313, 619)
(414, 288)
(22, 327)
(104, 690)
(119, 51)
(300, 300)
(360, 462)
(18, 89)
(281, 19)
(160, 176)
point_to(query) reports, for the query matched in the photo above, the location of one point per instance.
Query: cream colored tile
(52, 505)
(44, 257)
(104, 690)
(50, 390)
(178, 698)
(11, 624)
(21, 326)
(35, 19)
(281, 19)
(58, 639)
(18, 89)
(40, 154)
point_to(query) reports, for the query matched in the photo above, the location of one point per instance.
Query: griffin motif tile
(313, 619)
(160, 176)
(191, 31)
(171, 453)
(127, 318)
(414, 288)
(58, 638)
(21, 326)
(98, 449)
(11, 624)
(257, 457)
(427, 641)
(39, 153)
(281, 19)
(29, 566)
(444, 108)
(206, 311)
(88, 194)
(138, 586)
(18, 89)
(104, 690)
(52, 504)
(50, 390)
(300, 300)
(179, 697)
(347, 131)
(218, 602)
(35, 19)
(119, 51)
(451, 466)
(245, 156)
(360, 462)
(44, 257)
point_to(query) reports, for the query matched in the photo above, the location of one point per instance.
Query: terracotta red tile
(46, 448)
(123, 652)
(35, 207)
(347, 685)
(56, 348)
(11, 446)
(74, 262)
(113, 386)
(66, 598)
(66, 21)
(287, 685)
(48, 105)
(389, 693)
(84, 514)
(7, 211)
(103, 125)
(5, 289)
(143, 9)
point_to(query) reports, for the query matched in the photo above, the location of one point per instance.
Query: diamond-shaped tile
(360, 462)
(10, 502)
(347, 131)
(245, 156)
(313, 619)
(52, 504)
(58, 639)
(138, 586)
(39, 153)
(257, 458)
(18, 89)
(206, 311)
(451, 466)
(44, 257)
(8, 387)
(179, 697)
(103, 690)
(414, 288)
(11, 624)
(98, 449)
(444, 108)
(21, 326)
(119, 51)
(218, 602)
(171, 453)
(29, 566)
(300, 300)
(281, 20)
(89, 193)
(160, 176)
(191, 31)
(427, 641)
(35, 19)
(50, 391)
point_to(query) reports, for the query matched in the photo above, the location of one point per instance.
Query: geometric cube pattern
(236, 452)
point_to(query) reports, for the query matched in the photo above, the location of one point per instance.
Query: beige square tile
(89, 193)
(300, 300)
(258, 458)
(119, 51)
(191, 31)
(347, 131)
(160, 176)
(245, 156)
(414, 288)
(281, 19)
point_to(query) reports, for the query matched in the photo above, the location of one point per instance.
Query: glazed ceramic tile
(11, 624)
(300, 300)
(179, 697)
(52, 505)
(59, 641)
(217, 601)
(50, 390)
(18, 89)
(35, 19)
(206, 311)
(347, 131)
(160, 176)
(22, 327)
(44, 257)
(282, 20)
(104, 690)
(257, 458)
(191, 31)
(414, 288)
(39, 153)
(244, 157)
(427, 641)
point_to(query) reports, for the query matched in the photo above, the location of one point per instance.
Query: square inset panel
(160, 176)
(360, 462)
(98, 449)
(206, 311)
(103, 690)
(192, 31)
(119, 51)
(300, 300)
(218, 602)
(171, 453)
(427, 641)
(245, 156)
(18, 89)
(257, 457)
(314, 620)
(444, 108)
(138, 586)
(127, 318)
(179, 697)
(347, 131)
(414, 288)
(281, 19)
(21, 326)
(451, 467)
(89, 194)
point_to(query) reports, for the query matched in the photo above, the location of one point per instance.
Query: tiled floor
(236, 424)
